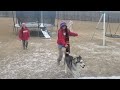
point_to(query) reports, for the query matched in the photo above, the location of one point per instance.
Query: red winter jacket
(24, 34)
(61, 36)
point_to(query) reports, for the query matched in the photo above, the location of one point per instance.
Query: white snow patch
(112, 77)
(117, 43)
(0, 44)
(36, 44)
(35, 54)
(116, 53)
(86, 48)
(35, 59)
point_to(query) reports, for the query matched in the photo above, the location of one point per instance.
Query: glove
(66, 46)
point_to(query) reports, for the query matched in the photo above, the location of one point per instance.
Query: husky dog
(72, 62)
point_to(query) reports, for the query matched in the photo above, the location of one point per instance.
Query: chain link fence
(111, 16)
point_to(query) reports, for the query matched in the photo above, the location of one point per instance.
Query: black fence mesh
(35, 16)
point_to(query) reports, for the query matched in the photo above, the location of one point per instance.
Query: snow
(112, 77)
(36, 61)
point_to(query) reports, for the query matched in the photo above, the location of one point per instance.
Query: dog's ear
(80, 57)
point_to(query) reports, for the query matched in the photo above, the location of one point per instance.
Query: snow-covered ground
(112, 77)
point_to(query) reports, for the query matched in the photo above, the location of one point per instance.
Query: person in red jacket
(63, 40)
(24, 35)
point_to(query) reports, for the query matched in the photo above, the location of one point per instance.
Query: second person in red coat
(24, 35)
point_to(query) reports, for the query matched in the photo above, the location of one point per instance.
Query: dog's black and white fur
(72, 62)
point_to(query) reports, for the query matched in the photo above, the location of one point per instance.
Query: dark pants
(25, 44)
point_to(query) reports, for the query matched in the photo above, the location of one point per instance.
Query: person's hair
(22, 27)
(66, 30)
(62, 27)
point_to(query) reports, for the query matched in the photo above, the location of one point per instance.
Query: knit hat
(23, 24)
(63, 24)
